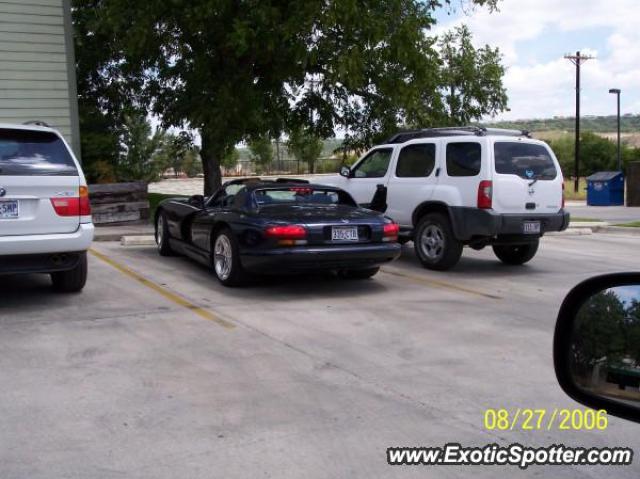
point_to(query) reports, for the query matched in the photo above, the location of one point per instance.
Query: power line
(577, 60)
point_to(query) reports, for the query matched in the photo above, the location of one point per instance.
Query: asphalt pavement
(157, 371)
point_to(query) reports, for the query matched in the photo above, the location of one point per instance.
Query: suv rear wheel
(71, 281)
(516, 254)
(435, 244)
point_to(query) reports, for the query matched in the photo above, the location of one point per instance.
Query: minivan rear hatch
(526, 179)
(36, 167)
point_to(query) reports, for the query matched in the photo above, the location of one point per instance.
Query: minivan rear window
(525, 160)
(34, 153)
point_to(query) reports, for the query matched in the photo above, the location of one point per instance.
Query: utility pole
(616, 91)
(577, 60)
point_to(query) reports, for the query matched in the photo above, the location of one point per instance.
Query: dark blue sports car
(275, 227)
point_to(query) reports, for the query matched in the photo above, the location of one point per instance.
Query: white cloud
(546, 88)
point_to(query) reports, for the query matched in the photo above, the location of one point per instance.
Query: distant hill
(596, 124)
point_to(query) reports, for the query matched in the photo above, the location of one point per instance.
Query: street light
(616, 91)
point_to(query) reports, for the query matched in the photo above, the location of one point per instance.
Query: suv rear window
(525, 160)
(416, 161)
(464, 159)
(34, 153)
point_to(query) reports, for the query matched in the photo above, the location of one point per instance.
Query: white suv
(45, 216)
(451, 187)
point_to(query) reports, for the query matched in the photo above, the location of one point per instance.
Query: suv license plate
(342, 233)
(531, 227)
(8, 209)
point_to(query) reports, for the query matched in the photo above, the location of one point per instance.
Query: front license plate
(8, 209)
(344, 233)
(531, 227)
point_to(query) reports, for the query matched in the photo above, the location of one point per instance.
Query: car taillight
(390, 232)
(485, 194)
(85, 205)
(287, 235)
(73, 206)
(563, 198)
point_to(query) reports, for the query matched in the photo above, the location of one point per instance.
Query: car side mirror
(197, 201)
(345, 171)
(596, 347)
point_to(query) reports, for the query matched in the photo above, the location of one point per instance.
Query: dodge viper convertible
(274, 227)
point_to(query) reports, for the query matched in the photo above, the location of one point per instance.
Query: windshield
(302, 195)
(526, 160)
(34, 153)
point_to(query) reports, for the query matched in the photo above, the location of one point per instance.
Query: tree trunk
(211, 152)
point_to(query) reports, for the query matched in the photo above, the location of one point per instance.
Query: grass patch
(155, 199)
(633, 224)
(584, 220)
(570, 195)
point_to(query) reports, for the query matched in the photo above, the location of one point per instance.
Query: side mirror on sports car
(345, 171)
(197, 201)
(596, 348)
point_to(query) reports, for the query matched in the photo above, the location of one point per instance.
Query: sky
(534, 35)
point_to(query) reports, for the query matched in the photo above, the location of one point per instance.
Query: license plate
(531, 227)
(8, 209)
(344, 233)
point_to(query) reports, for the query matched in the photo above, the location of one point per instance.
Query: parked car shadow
(488, 266)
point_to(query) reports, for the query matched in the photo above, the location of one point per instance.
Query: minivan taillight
(74, 205)
(485, 194)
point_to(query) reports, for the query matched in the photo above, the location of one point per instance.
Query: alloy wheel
(432, 242)
(222, 257)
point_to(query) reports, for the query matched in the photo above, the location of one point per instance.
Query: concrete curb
(145, 240)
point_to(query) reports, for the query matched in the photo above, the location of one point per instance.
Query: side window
(416, 161)
(375, 165)
(464, 159)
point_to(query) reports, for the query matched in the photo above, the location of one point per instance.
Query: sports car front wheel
(226, 259)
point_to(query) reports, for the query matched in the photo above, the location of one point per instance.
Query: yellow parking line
(440, 284)
(203, 313)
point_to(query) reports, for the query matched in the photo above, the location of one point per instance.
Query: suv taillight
(73, 206)
(485, 194)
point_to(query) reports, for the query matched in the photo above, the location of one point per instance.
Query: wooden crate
(119, 202)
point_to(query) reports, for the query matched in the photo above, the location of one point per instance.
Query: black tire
(435, 244)
(516, 254)
(358, 273)
(236, 275)
(73, 280)
(162, 235)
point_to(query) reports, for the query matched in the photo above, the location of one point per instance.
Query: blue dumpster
(605, 188)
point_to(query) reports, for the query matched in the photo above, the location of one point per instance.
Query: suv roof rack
(407, 135)
(37, 123)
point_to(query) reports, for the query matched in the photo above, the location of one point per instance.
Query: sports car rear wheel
(226, 259)
(359, 273)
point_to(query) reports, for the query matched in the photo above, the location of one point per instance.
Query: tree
(237, 70)
(174, 151)
(305, 147)
(231, 159)
(105, 92)
(472, 78)
(141, 158)
(261, 150)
